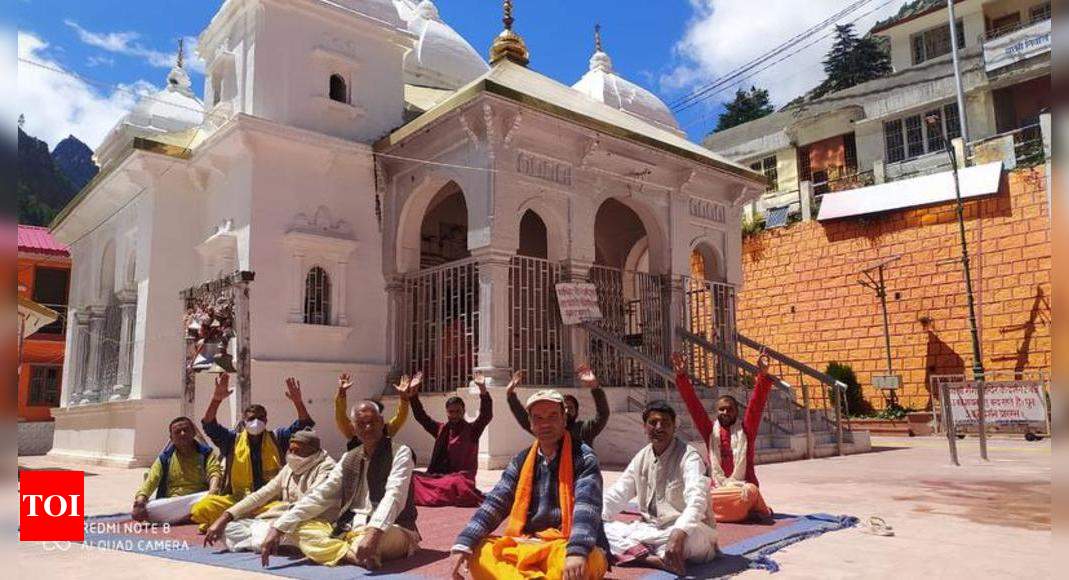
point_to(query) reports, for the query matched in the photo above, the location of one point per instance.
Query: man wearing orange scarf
(551, 495)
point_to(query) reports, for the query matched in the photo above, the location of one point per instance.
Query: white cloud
(57, 103)
(726, 34)
(126, 43)
(96, 60)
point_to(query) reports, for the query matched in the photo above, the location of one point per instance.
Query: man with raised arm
(735, 495)
(667, 479)
(341, 411)
(363, 514)
(450, 476)
(581, 430)
(253, 454)
(550, 497)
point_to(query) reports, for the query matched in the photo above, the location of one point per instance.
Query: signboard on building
(1004, 402)
(889, 382)
(578, 302)
(1018, 45)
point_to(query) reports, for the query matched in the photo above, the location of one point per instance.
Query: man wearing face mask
(735, 495)
(450, 476)
(307, 465)
(363, 513)
(253, 454)
(581, 430)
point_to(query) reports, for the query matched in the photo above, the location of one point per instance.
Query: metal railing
(537, 339)
(817, 415)
(633, 308)
(709, 312)
(440, 330)
(1003, 31)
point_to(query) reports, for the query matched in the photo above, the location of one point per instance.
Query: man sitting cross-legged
(735, 494)
(253, 454)
(363, 513)
(668, 480)
(307, 465)
(550, 495)
(184, 473)
(450, 476)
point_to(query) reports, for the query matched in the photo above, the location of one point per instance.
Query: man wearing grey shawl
(244, 525)
(668, 480)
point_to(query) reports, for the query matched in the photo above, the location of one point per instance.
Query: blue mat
(752, 552)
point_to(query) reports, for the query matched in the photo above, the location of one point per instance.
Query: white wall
(969, 12)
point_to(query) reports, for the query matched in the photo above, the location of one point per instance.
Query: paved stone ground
(988, 520)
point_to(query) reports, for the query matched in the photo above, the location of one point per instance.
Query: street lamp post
(977, 361)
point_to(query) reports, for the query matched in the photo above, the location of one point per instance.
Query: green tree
(854, 402)
(747, 106)
(852, 61)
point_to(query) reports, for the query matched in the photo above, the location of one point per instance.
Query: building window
(44, 385)
(767, 167)
(338, 90)
(935, 42)
(912, 137)
(50, 289)
(1039, 12)
(893, 142)
(317, 297)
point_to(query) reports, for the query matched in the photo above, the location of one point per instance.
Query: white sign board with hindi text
(578, 302)
(1004, 402)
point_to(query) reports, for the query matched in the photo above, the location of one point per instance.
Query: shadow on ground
(1014, 504)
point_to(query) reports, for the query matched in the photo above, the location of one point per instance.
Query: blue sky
(120, 47)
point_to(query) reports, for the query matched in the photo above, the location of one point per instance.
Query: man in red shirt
(735, 494)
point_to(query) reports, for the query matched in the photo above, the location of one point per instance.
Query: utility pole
(977, 359)
(957, 79)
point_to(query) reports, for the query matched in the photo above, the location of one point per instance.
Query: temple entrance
(440, 301)
(631, 298)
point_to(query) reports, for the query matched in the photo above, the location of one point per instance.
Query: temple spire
(178, 78)
(599, 60)
(181, 52)
(508, 45)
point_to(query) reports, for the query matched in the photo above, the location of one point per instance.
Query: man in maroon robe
(450, 476)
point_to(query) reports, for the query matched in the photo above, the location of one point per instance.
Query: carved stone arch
(654, 225)
(555, 221)
(407, 242)
(712, 260)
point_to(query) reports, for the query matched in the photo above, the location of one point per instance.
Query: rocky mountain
(48, 180)
(75, 160)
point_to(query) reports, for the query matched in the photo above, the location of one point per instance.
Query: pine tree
(747, 106)
(852, 61)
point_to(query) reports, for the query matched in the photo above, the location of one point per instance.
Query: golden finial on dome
(508, 45)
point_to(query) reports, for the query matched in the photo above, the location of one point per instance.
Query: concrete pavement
(988, 520)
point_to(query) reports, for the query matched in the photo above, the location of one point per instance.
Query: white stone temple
(404, 205)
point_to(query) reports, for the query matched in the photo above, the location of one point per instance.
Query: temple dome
(441, 58)
(383, 10)
(174, 108)
(605, 86)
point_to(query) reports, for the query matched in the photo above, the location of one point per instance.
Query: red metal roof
(39, 240)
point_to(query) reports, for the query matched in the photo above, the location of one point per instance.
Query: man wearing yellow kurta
(552, 499)
(363, 514)
(253, 454)
(185, 472)
(341, 411)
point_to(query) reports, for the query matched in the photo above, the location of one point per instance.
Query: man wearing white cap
(245, 524)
